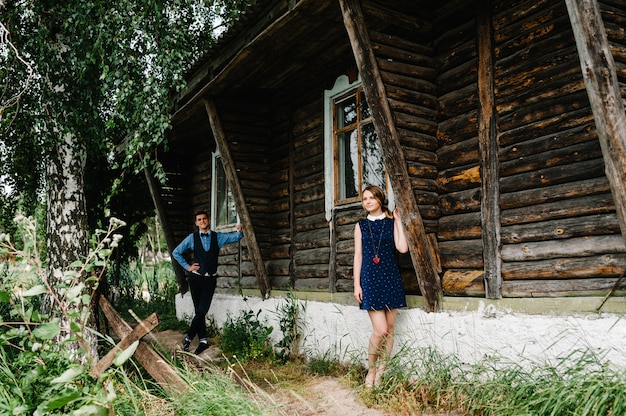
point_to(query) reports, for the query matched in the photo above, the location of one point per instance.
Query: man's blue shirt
(187, 244)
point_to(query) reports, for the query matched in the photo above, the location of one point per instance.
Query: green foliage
(41, 357)
(289, 315)
(160, 290)
(246, 337)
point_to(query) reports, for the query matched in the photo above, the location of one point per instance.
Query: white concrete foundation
(341, 331)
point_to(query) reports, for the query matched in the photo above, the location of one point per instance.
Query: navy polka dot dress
(381, 283)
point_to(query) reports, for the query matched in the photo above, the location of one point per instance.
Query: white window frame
(215, 159)
(341, 87)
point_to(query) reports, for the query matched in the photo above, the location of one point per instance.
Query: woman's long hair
(379, 195)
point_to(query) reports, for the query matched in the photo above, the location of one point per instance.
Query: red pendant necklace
(376, 259)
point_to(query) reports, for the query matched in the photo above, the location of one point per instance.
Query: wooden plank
(140, 330)
(603, 89)
(152, 362)
(488, 152)
(421, 254)
(254, 251)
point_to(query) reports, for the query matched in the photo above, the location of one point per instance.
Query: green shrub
(246, 337)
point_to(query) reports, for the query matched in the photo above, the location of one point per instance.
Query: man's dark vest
(206, 259)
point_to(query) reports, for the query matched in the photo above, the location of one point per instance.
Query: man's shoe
(186, 344)
(201, 347)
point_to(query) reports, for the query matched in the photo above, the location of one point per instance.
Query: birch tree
(85, 79)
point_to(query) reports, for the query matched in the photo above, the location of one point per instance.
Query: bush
(246, 337)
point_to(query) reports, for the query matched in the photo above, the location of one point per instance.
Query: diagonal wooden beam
(254, 250)
(603, 90)
(140, 330)
(393, 156)
(152, 362)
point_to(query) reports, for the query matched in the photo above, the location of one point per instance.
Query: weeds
(246, 337)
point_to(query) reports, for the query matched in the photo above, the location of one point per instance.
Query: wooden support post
(602, 85)
(488, 149)
(254, 250)
(155, 193)
(393, 156)
(152, 362)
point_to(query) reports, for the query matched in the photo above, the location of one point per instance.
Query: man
(205, 245)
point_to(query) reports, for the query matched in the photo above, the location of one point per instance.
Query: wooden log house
(497, 125)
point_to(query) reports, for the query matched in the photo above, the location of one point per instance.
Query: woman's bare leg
(387, 345)
(375, 349)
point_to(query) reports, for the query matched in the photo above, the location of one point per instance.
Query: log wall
(400, 37)
(458, 180)
(559, 234)
(614, 19)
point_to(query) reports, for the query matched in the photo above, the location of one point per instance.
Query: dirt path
(322, 395)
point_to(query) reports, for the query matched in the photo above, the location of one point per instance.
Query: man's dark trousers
(202, 289)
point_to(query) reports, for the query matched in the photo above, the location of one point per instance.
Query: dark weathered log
(575, 171)
(544, 110)
(460, 202)
(561, 288)
(421, 170)
(394, 53)
(460, 282)
(309, 208)
(604, 265)
(562, 156)
(242, 209)
(596, 204)
(422, 50)
(561, 228)
(414, 97)
(459, 154)
(462, 77)
(422, 141)
(598, 68)
(567, 190)
(459, 128)
(409, 108)
(319, 255)
(430, 285)
(552, 125)
(457, 179)
(460, 227)
(566, 81)
(547, 143)
(314, 238)
(570, 247)
(461, 254)
(458, 101)
(488, 145)
(424, 126)
(310, 282)
(152, 362)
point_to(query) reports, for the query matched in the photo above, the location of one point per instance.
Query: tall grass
(579, 384)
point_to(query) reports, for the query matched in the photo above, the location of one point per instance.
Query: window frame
(215, 166)
(342, 88)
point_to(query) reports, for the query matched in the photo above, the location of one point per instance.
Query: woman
(377, 282)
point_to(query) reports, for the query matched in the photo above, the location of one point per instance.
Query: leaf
(123, 356)
(48, 330)
(68, 375)
(35, 290)
(5, 297)
(73, 292)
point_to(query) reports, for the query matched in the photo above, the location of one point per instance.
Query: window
(353, 154)
(224, 212)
